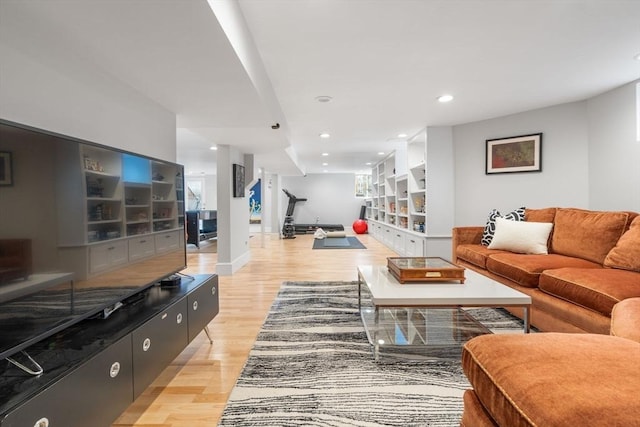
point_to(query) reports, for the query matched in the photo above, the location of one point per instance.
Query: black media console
(95, 369)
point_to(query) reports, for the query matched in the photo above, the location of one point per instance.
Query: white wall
(440, 180)
(45, 87)
(614, 152)
(330, 198)
(233, 216)
(269, 216)
(564, 180)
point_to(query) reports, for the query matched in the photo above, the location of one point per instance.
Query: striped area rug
(312, 366)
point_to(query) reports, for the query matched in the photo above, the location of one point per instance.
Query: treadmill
(289, 229)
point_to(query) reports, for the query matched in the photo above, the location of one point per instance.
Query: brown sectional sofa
(593, 262)
(556, 379)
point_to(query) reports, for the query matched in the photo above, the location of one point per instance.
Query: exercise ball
(360, 226)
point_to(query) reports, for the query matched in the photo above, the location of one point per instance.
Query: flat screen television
(83, 228)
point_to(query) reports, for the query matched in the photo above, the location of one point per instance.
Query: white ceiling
(384, 62)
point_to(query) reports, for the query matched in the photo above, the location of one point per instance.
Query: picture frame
(6, 169)
(514, 154)
(238, 180)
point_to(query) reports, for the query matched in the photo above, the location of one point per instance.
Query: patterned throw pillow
(490, 228)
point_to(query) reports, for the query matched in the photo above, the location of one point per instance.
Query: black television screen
(83, 227)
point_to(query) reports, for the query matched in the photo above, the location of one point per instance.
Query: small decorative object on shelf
(424, 270)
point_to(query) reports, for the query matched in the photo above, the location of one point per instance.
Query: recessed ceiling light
(325, 164)
(323, 98)
(325, 154)
(325, 135)
(637, 57)
(325, 171)
(445, 98)
(213, 147)
(368, 164)
(380, 153)
(402, 135)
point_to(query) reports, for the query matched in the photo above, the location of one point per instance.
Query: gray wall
(330, 197)
(614, 152)
(564, 180)
(45, 86)
(589, 159)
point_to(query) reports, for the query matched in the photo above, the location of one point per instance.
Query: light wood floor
(193, 390)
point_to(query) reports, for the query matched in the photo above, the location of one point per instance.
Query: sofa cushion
(597, 289)
(540, 215)
(474, 414)
(526, 269)
(625, 319)
(521, 236)
(587, 234)
(475, 254)
(490, 227)
(626, 253)
(555, 379)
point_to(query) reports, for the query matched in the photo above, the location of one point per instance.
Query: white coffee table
(477, 291)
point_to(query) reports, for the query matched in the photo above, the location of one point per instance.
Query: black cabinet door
(203, 306)
(157, 343)
(93, 395)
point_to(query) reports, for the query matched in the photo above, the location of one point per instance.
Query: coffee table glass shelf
(428, 314)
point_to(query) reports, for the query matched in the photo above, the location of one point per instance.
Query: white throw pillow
(521, 236)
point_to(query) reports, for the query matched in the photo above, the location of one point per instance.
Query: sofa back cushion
(626, 253)
(587, 234)
(540, 215)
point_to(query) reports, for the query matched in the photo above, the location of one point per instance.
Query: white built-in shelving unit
(411, 208)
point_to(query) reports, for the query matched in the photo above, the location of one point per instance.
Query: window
(195, 193)
(363, 185)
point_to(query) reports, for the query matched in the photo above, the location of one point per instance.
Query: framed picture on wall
(6, 168)
(238, 180)
(514, 154)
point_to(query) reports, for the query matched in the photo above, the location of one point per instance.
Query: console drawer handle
(115, 369)
(146, 344)
(213, 290)
(42, 422)
(195, 305)
(179, 318)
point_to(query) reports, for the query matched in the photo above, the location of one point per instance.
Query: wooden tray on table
(424, 270)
